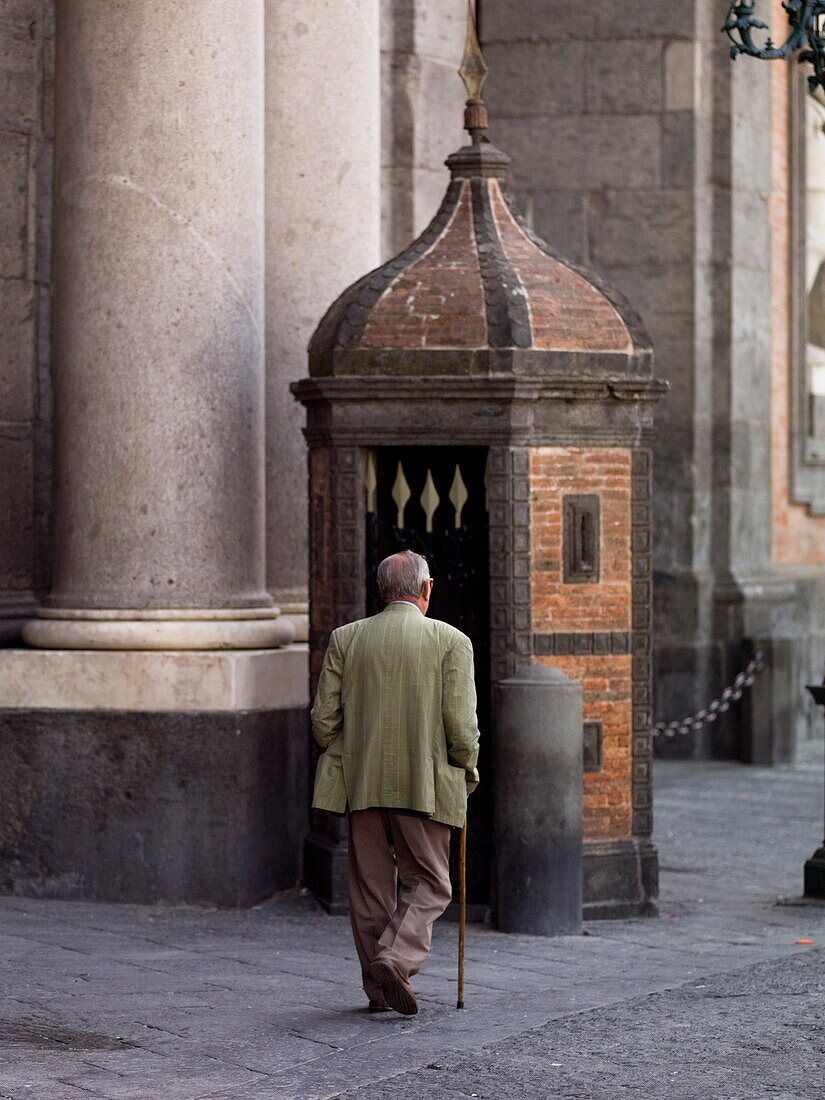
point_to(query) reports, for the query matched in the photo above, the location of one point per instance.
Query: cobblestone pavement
(715, 997)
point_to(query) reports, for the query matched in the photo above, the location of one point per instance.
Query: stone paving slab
(187, 1002)
(744, 1035)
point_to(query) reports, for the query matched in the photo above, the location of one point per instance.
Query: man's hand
(458, 708)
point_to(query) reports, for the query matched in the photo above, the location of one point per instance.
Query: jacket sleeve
(458, 708)
(326, 714)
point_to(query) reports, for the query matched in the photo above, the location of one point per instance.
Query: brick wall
(594, 608)
(607, 687)
(554, 473)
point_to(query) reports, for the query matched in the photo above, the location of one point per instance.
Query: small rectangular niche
(581, 539)
(592, 746)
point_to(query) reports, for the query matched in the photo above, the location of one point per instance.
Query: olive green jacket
(395, 712)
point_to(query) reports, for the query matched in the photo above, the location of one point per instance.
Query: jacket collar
(402, 603)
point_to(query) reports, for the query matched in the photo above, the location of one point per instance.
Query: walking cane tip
(459, 1004)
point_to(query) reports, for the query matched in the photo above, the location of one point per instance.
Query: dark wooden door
(433, 500)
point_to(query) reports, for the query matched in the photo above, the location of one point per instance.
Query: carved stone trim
(510, 596)
(348, 535)
(508, 316)
(337, 552)
(540, 387)
(583, 643)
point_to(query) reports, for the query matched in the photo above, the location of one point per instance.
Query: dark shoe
(379, 1006)
(397, 993)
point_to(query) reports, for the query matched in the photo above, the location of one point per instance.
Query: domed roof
(478, 277)
(477, 280)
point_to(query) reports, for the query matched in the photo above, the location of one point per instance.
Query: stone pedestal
(155, 738)
(159, 776)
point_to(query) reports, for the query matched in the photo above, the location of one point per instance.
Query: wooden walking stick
(462, 909)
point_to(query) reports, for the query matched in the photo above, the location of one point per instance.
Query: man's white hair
(402, 575)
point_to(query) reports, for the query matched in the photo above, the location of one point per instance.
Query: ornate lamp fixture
(806, 19)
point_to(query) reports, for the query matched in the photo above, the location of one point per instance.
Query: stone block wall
(584, 629)
(422, 106)
(26, 63)
(640, 150)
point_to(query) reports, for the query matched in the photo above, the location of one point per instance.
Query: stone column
(158, 329)
(323, 225)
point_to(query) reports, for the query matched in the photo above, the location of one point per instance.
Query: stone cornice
(474, 389)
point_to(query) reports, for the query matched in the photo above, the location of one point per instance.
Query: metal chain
(710, 713)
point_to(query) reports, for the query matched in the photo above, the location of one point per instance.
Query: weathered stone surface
(14, 167)
(645, 18)
(25, 202)
(533, 79)
(678, 149)
(587, 151)
(680, 76)
(206, 808)
(154, 680)
(559, 217)
(19, 57)
(537, 20)
(624, 77)
(17, 310)
(421, 115)
(16, 529)
(635, 228)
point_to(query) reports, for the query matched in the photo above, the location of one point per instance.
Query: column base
(154, 680)
(621, 879)
(815, 875)
(153, 776)
(161, 628)
(15, 612)
(298, 615)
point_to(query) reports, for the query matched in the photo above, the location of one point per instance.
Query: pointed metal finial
(473, 72)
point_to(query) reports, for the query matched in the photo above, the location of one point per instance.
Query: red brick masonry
(567, 312)
(438, 301)
(583, 608)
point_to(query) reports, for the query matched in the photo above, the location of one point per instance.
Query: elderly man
(395, 713)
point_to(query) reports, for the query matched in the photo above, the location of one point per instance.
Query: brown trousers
(391, 922)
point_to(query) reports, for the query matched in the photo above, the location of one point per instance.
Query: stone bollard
(537, 775)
